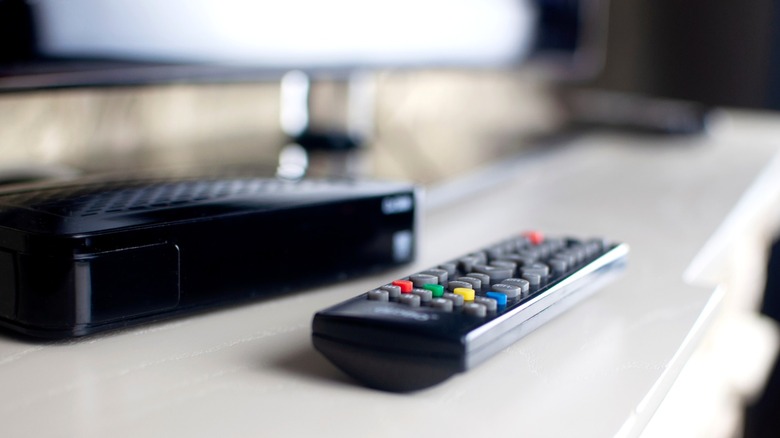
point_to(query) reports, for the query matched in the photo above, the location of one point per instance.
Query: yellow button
(466, 293)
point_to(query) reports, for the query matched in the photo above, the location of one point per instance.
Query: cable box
(84, 256)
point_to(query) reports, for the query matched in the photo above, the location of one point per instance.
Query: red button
(534, 236)
(405, 285)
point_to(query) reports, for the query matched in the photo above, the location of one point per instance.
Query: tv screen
(55, 43)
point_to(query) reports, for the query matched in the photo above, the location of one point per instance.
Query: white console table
(599, 370)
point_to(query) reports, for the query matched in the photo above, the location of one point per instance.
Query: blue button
(498, 296)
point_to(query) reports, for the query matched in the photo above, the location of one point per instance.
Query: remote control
(420, 330)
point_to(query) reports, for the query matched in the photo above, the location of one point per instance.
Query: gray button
(520, 244)
(441, 274)
(410, 300)
(454, 284)
(578, 251)
(505, 264)
(495, 252)
(510, 290)
(592, 249)
(457, 300)
(497, 275)
(481, 257)
(393, 290)
(535, 280)
(536, 268)
(518, 259)
(570, 259)
(556, 244)
(509, 245)
(475, 283)
(420, 280)
(467, 263)
(450, 267)
(558, 265)
(442, 304)
(531, 252)
(490, 304)
(475, 309)
(379, 295)
(544, 249)
(484, 278)
(425, 295)
(519, 282)
(601, 245)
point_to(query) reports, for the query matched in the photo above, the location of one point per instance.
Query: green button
(436, 289)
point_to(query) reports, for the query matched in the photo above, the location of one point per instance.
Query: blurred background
(427, 91)
(418, 91)
(422, 91)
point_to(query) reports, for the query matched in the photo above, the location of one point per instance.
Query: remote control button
(475, 309)
(441, 274)
(600, 244)
(442, 304)
(511, 291)
(379, 295)
(457, 300)
(558, 265)
(511, 245)
(536, 268)
(393, 291)
(481, 257)
(450, 267)
(523, 284)
(556, 244)
(410, 299)
(570, 255)
(571, 260)
(497, 275)
(467, 263)
(535, 281)
(437, 290)
(425, 295)
(534, 236)
(466, 293)
(495, 252)
(582, 253)
(520, 242)
(420, 280)
(498, 296)
(475, 283)
(490, 304)
(591, 249)
(483, 278)
(405, 285)
(578, 251)
(519, 260)
(545, 249)
(531, 252)
(505, 264)
(454, 284)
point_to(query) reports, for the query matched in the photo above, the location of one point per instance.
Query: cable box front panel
(86, 256)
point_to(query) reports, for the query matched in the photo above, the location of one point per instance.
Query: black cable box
(86, 256)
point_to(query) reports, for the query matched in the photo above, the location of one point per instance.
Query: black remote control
(418, 331)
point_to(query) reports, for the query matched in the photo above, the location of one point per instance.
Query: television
(712, 52)
(55, 44)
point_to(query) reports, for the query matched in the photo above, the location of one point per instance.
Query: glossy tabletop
(600, 369)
